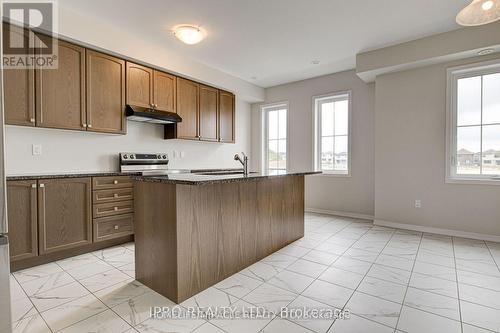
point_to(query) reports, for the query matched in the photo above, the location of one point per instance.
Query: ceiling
(271, 42)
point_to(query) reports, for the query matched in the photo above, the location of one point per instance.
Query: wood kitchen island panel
(188, 238)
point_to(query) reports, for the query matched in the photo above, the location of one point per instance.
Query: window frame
(453, 75)
(316, 100)
(265, 108)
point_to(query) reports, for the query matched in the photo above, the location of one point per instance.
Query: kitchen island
(194, 230)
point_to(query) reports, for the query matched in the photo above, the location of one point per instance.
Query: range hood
(149, 115)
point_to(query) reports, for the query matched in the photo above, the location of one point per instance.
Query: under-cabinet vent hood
(150, 115)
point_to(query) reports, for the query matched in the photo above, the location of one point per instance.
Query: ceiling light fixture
(485, 52)
(479, 12)
(315, 62)
(189, 34)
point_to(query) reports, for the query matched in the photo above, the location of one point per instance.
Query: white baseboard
(337, 213)
(439, 231)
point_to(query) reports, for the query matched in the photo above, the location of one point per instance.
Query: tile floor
(390, 280)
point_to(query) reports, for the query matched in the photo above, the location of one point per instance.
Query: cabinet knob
(42, 185)
(116, 227)
(84, 125)
(33, 185)
(115, 182)
(89, 126)
(116, 208)
(32, 120)
(116, 195)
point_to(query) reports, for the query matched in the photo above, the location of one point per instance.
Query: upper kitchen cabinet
(19, 85)
(60, 93)
(139, 85)
(105, 86)
(226, 117)
(208, 113)
(22, 219)
(165, 89)
(64, 213)
(187, 109)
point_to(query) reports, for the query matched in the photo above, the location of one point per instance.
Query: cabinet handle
(116, 195)
(115, 182)
(33, 185)
(84, 125)
(116, 227)
(32, 120)
(89, 126)
(42, 185)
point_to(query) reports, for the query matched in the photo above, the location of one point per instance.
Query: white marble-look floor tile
(47, 282)
(375, 246)
(356, 324)
(416, 321)
(57, 296)
(294, 250)
(332, 248)
(390, 274)
(434, 303)
(33, 324)
(136, 310)
(238, 285)
(82, 272)
(169, 325)
(481, 316)
(434, 285)
(121, 259)
(342, 278)
(315, 324)
(278, 325)
(473, 294)
(36, 272)
(104, 322)
(208, 328)
(466, 328)
(384, 289)
(70, 313)
(241, 324)
(261, 271)
(308, 243)
(128, 269)
(432, 258)
(328, 293)
(16, 292)
(22, 308)
(374, 308)
(291, 281)
(320, 257)
(479, 280)
(103, 280)
(129, 246)
(121, 292)
(279, 260)
(270, 297)
(361, 255)
(308, 268)
(478, 266)
(211, 297)
(436, 271)
(78, 261)
(110, 252)
(352, 265)
(396, 262)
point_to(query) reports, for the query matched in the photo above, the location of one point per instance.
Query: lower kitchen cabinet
(64, 213)
(22, 217)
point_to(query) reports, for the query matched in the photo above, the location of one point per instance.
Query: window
(332, 133)
(473, 140)
(275, 137)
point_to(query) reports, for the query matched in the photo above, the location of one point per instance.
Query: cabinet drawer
(103, 183)
(119, 194)
(113, 208)
(113, 227)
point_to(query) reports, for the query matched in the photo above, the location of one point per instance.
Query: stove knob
(164, 157)
(132, 157)
(158, 157)
(125, 157)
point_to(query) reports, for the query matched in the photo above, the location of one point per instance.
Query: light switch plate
(36, 149)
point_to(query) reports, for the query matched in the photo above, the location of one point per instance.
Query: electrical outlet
(418, 203)
(36, 149)
(183, 154)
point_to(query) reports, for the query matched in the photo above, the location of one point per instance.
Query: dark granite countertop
(71, 175)
(201, 179)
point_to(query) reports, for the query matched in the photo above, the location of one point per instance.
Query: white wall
(69, 151)
(335, 194)
(410, 125)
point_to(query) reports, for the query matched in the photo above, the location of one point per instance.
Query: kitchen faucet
(243, 161)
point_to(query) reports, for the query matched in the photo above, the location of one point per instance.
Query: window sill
(473, 181)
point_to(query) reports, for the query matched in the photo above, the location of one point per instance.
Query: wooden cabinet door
(60, 93)
(22, 219)
(208, 113)
(164, 97)
(187, 109)
(105, 83)
(19, 85)
(64, 213)
(226, 117)
(139, 85)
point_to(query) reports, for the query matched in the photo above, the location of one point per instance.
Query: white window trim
(264, 139)
(453, 74)
(317, 132)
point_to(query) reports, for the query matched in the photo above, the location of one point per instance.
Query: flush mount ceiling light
(189, 34)
(479, 12)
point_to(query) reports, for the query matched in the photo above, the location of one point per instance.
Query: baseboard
(338, 213)
(439, 231)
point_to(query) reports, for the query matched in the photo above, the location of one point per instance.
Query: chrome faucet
(243, 161)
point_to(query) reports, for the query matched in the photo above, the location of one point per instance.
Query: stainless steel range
(147, 164)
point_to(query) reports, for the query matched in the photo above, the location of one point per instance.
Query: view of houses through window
(332, 133)
(478, 125)
(276, 137)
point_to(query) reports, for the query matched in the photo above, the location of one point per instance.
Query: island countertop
(204, 179)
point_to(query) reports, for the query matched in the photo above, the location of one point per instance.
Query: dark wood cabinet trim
(156, 75)
(131, 66)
